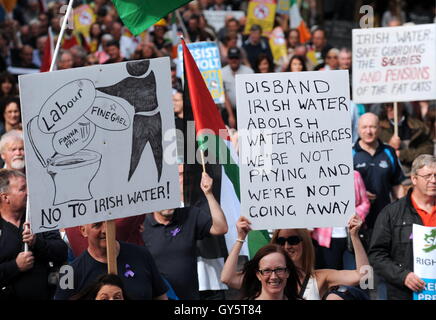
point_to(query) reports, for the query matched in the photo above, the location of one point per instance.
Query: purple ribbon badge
(175, 231)
(411, 236)
(129, 272)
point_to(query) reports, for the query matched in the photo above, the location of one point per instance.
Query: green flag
(138, 15)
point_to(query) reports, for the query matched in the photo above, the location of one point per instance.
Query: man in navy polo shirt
(379, 167)
(171, 237)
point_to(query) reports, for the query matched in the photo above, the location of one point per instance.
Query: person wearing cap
(158, 36)
(229, 73)
(256, 44)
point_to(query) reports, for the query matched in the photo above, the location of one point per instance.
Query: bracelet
(240, 240)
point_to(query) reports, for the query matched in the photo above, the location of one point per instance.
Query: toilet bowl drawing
(72, 175)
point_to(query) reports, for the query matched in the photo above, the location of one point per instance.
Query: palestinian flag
(213, 137)
(296, 22)
(48, 52)
(138, 15)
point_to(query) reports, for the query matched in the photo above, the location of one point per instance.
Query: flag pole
(61, 34)
(26, 245)
(111, 249)
(395, 119)
(182, 24)
(202, 160)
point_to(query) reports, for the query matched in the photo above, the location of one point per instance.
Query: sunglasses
(292, 240)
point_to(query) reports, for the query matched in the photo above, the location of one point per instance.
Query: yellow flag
(261, 12)
(9, 5)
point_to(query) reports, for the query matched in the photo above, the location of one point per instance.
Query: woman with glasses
(270, 275)
(298, 245)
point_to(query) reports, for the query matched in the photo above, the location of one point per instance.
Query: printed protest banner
(296, 165)
(283, 6)
(95, 143)
(277, 43)
(207, 58)
(424, 259)
(84, 16)
(394, 64)
(261, 12)
(217, 18)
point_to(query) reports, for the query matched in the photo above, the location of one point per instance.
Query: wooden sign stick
(111, 247)
(396, 119)
(202, 160)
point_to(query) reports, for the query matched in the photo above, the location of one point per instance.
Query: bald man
(378, 165)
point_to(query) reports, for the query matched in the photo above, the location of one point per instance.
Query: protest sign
(95, 141)
(296, 167)
(207, 58)
(283, 6)
(394, 64)
(261, 12)
(84, 17)
(277, 42)
(424, 259)
(217, 18)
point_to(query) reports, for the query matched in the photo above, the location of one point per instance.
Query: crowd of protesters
(298, 264)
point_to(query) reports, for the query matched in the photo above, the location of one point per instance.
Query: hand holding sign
(354, 225)
(243, 227)
(206, 184)
(414, 283)
(28, 236)
(25, 261)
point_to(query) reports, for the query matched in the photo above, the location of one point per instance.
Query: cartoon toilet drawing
(63, 168)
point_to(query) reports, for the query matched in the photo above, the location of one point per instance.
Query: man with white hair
(12, 150)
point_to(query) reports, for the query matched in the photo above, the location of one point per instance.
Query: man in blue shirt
(378, 165)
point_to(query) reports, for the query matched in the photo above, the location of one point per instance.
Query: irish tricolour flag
(296, 22)
(138, 15)
(212, 136)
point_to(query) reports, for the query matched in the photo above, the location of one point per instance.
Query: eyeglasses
(292, 240)
(278, 271)
(427, 177)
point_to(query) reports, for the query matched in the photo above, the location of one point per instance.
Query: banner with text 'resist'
(296, 167)
(96, 143)
(207, 58)
(424, 259)
(394, 64)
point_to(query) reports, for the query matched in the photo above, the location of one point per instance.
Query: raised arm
(219, 222)
(350, 277)
(230, 275)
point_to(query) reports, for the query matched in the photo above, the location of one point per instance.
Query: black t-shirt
(136, 269)
(173, 247)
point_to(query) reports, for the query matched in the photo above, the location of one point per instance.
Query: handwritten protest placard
(394, 64)
(217, 18)
(296, 166)
(95, 143)
(207, 58)
(424, 258)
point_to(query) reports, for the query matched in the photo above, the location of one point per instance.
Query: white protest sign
(296, 167)
(207, 58)
(96, 143)
(424, 259)
(394, 64)
(217, 18)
